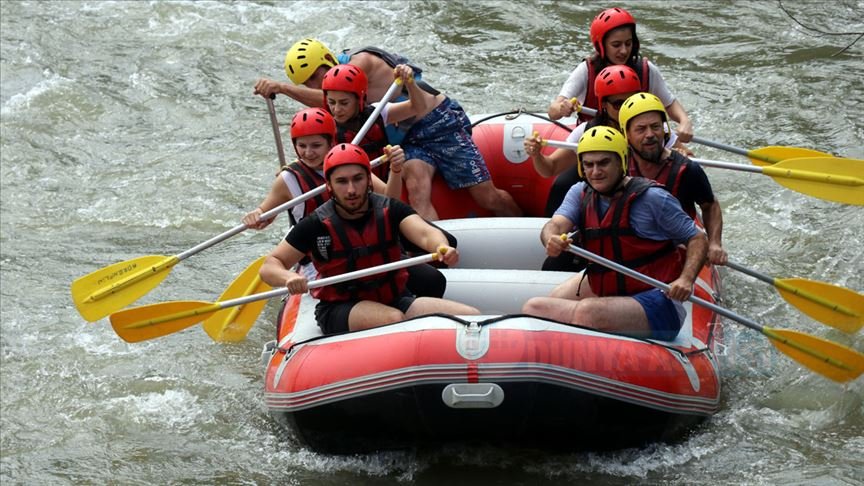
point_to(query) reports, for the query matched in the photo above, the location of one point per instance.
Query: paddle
(377, 111)
(280, 149)
(112, 288)
(836, 179)
(761, 156)
(155, 320)
(232, 325)
(829, 359)
(765, 155)
(831, 304)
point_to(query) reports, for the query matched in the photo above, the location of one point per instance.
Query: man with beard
(629, 220)
(646, 128)
(358, 229)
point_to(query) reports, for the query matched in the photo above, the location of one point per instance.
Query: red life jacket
(308, 179)
(351, 250)
(669, 177)
(374, 141)
(591, 101)
(613, 238)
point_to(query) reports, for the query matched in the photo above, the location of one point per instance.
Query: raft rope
(512, 115)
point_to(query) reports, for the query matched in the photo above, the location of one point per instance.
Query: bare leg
(614, 314)
(496, 200)
(367, 314)
(573, 288)
(431, 305)
(417, 176)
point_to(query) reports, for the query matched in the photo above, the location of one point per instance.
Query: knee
(532, 306)
(391, 315)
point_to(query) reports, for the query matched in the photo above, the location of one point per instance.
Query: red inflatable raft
(503, 377)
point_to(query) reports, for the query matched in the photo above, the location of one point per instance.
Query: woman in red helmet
(613, 35)
(313, 131)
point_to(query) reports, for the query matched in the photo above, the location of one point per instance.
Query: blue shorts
(442, 139)
(664, 316)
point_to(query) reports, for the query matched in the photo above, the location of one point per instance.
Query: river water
(130, 128)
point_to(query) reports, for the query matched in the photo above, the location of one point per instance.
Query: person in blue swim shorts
(438, 138)
(634, 222)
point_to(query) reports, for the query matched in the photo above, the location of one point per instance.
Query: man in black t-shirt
(357, 229)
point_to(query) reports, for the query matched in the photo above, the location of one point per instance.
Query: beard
(652, 154)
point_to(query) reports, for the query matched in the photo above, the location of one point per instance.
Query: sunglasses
(615, 104)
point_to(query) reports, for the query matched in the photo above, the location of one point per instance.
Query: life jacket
(350, 250)
(670, 177)
(612, 237)
(591, 101)
(308, 179)
(374, 141)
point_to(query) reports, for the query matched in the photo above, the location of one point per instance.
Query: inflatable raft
(502, 377)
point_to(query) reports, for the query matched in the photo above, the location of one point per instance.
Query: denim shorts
(443, 140)
(665, 316)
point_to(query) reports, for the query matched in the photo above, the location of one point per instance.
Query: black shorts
(332, 317)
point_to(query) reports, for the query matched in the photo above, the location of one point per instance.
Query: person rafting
(439, 138)
(645, 124)
(629, 220)
(312, 134)
(613, 35)
(353, 230)
(613, 85)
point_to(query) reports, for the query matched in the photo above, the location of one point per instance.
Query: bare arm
(551, 165)
(712, 216)
(309, 97)
(697, 248)
(419, 102)
(550, 235)
(560, 107)
(685, 127)
(276, 268)
(429, 238)
(278, 194)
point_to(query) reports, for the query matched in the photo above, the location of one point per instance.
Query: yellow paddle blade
(829, 359)
(833, 179)
(834, 305)
(155, 320)
(114, 287)
(232, 324)
(773, 154)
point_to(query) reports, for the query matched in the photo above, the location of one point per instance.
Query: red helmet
(607, 20)
(616, 80)
(345, 77)
(313, 121)
(345, 154)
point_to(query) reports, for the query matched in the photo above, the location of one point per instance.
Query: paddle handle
(387, 267)
(726, 165)
(280, 149)
(662, 286)
(721, 146)
(371, 120)
(559, 144)
(267, 215)
(751, 272)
